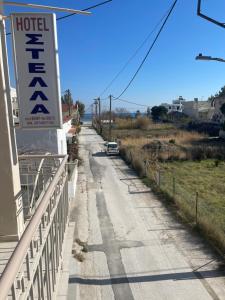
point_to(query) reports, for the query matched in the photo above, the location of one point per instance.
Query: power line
(131, 102)
(85, 9)
(135, 53)
(89, 107)
(148, 52)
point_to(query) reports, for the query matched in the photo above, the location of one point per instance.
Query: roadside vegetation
(184, 167)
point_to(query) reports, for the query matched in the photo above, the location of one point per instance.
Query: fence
(204, 213)
(33, 268)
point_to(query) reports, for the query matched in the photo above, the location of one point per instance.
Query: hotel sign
(37, 70)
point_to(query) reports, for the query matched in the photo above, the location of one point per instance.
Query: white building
(194, 109)
(176, 105)
(197, 109)
(15, 107)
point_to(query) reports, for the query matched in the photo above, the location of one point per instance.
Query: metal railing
(33, 268)
(35, 176)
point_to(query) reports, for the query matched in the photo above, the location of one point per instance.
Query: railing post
(41, 279)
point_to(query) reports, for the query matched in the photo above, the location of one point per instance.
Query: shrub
(172, 141)
(78, 129)
(217, 162)
(196, 153)
(142, 123)
(138, 123)
(138, 166)
(124, 123)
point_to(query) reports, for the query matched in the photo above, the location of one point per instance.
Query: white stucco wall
(43, 140)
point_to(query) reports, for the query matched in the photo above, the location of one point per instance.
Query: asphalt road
(136, 247)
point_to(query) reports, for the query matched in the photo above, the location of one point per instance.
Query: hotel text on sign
(37, 70)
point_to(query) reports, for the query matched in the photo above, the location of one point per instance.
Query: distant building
(15, 107)
(194, 109)
(176, 105)
(197, 109)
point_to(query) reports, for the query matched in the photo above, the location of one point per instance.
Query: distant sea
(86, 118)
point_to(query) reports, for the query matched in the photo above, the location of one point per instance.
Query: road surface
(136, 248)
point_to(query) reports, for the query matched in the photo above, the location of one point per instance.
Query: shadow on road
(139, 192)
(148, 278)
(99, 154)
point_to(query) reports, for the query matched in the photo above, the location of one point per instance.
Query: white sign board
(37, 70)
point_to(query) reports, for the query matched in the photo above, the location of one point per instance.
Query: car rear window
(113, 146)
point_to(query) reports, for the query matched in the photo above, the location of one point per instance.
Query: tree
(62, 100)
(211, 98)
(159, 112)
(148, 112)
(222, 109)
(221, 93)
(137, 114)
(81, 107)
(67, 97)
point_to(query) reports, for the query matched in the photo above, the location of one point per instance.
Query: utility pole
(98, 100)
(95, 112)
(110, 117)
(92, 114)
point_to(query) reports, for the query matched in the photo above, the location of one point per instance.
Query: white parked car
(111, 148)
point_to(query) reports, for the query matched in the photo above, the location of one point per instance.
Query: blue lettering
(35, 52)
(37, 94)
(36, 67)
(39, 108)
(34, 39)
(36, 80)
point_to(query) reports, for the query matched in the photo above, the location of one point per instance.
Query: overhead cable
(134, 54)
(89, 107)
(85, 9)
(130, 102)
(148, 52)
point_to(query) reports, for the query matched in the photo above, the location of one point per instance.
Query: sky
(93, 49)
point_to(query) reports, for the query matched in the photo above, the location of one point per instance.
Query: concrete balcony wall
(43, 140)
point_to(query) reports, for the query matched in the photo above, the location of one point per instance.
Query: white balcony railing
(33, 268)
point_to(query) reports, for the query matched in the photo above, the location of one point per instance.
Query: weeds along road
(136, 248)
